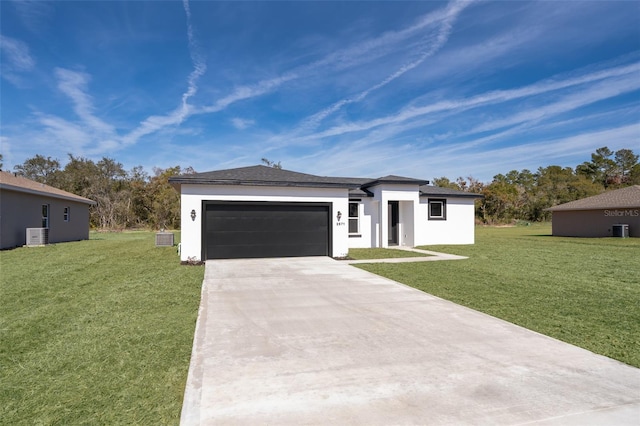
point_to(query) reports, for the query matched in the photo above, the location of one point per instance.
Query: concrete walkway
(305, 341)
(432, 256)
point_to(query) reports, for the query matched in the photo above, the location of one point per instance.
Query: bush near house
(584, 291)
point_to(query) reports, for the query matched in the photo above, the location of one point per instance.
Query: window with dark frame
(354, 218)
(45, 215)
(437, 209)
(66, 214)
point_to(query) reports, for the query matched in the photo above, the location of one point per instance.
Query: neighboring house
(28, 204)
(262, 211)
(598, 216)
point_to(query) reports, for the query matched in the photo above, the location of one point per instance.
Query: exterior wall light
(339, 215)
(193, 214)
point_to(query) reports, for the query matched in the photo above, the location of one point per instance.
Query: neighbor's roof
(623, 198)
(270, 176)
(11, 182)
(436, 191)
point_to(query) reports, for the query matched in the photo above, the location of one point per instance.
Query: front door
(393, 219)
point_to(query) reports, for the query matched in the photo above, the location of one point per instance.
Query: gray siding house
(598, 216)
(28, 204)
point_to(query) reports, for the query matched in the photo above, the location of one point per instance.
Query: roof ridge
(615, 198)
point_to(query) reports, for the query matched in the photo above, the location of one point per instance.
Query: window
(354, 220)
(437, 209)
(45, 215)
(66, 214)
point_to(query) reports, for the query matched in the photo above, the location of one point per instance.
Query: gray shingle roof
(436, 191)
(268, 176)
(628, 197)
(392, 179)
(263, 175)
(11, 182)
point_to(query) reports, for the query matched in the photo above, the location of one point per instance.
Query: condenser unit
(37, 236)
(164, 239)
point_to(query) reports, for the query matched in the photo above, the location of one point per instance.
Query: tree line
(125, 199)
(524, 195)
(133, 198)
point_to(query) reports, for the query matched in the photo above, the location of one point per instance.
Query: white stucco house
(261, 211)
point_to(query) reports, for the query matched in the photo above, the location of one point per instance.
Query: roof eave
(75, 198)
(555, 209)
(176, 182)
(394, 182)
(445, 195)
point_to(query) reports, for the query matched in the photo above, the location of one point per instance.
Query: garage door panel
(257, 251)
(239, 224)
(238, 230)
(267, 237)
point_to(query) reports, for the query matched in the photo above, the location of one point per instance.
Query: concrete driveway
(303, 341)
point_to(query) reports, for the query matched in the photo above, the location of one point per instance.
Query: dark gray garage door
(244, 230)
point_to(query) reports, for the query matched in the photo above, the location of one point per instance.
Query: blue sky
(419, 89)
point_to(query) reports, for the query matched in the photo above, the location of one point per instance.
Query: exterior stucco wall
(594, 223)
(415, 227)
(19, 211)
(458, 228)
(408, 197)
(192, 197)
(367, 210)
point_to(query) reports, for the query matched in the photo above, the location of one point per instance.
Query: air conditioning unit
(620, 230)
(164, 239)
(37, 236)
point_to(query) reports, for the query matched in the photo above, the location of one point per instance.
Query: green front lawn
(582, 291)
(100, 331)
(96, 332)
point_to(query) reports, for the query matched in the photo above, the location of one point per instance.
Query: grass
(381, 253)
(582, 291)
(96, 332)
(100, 331)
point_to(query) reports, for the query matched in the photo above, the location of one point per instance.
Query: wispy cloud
(15, 59)
(544, 152)
(89, 134)
(74, 84)
(484, 99)
(349, 56)
(445, 25)
(199, 64)
(522, 117)
(412, 91)
(34, 14)
(16, 54)
(177, 116)
(248, 92)
(430, 162)
(242, 123)
(353, 55)
(74, 136)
